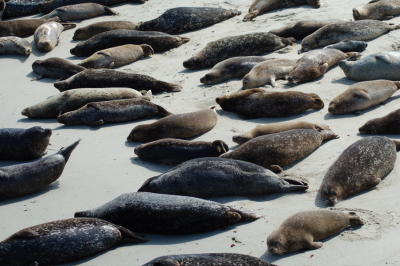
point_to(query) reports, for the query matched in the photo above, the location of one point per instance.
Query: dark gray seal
(84, 33)
(301, 29)
(56, 68)
(2, 8)
(21, 27)
(349, 46)
(15, 46)
(378, 9)
(389, 124)
(80, 12)
(20, 8)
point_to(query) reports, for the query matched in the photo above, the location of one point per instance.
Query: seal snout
(356, 14)
(25, 112)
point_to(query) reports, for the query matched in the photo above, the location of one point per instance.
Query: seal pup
(117, 56)
(378, 9)
(362, 166)
(281, 149)
(176, 151)
(218, 177)
(162, 214)
(17, 144)
(259, 7)
(255, 103)
(80, 12)
(180, 126)
(303, 230)
(349, 46)
(27, 178)
(21, 27)
(47, 35)
(389, 124)
(101, 78)
(272, 128)
(184, 19)
(63, 241)
(55, 68)
(84, 33)
(268, 72)
(116, 111)
(242, 45)
(15, 46)
(363, 95)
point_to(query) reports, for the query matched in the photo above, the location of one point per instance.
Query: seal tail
(162, 111)
(66, 152)
(247, 216)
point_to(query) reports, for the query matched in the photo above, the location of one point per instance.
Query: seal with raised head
(363, 95)
(389, 124)
(117, 56)
(56, 68)
(349, 46)
(48, 34)
(21, 27)
(63, 241)
(155, 213)
(272, 128)
(91, 30)
(176, 151)
(15, 46)
(378, 9)
(102, 78)
(281, 149)
(304, 230)
(362, 166)
(218, 177)
(80, 12)
(17, 144)
(184, 19)
(242, 45)
(116, 111)
(180, 126)
(255, 103)
(27, 178)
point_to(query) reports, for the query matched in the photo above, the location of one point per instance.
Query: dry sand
(104, 166)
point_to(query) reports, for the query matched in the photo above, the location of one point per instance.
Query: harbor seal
(56, 68)
(272, 128)
(349, 46)
(21, 27)
(242, 45)
(184, 19)
(47, 35)
(362, 166)
(20, 8)
(303, 230)
(217, 177)
(255, 103)
(45, 244)
(388, 124)
(17, 144)
(378, 9)
(28, 178)
(281, 149)
(101, 78)
(80, 12)
(363, 95)
(176, 151)
(162, 214)
(117, 56)
(15, 46)
(2, 8)
(85, 33)
(180, 126)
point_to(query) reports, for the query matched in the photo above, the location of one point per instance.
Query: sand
(104, 166)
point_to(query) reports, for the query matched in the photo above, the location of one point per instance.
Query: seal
(102, 78)
(21, 27)
(301, 29)
(74, 99)
(184, 19)
(2, 8)
(363, 95)
(116, 111)
(259, 7)
(378, 9)
(176, 151)
(272, 128)
(349, 46)
(242, 45)
(15, 46)
(281, 149)
(42, 244)
(268, 72)
(84, 33)
(255, 103)
(20, 8)
(162, 214)
(218, 177)
(180, 126)
(232, 68)
(55, 68)
(47, 35)
(28, 178)
(303, 230)
(362, 30)
(17, 144)
(362, 166)
(384, 125)
(117, 56)
(80, 12)
(160, 41)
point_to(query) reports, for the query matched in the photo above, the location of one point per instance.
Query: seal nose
(331, 108)
(44, 46)
(25, 112)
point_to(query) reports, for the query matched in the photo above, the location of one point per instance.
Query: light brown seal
(378, 9)
(91, 30)
(389, 124)
(56, 68)
(21, 27)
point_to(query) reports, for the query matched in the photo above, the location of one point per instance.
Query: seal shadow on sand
(162, 168)
(35, 78)
(32, 120)
(53, 186)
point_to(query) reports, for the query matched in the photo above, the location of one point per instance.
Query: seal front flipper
(66, 152)
(68, 26)
(130, 237)
(145, 187)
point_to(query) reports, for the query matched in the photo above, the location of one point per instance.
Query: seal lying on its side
(80, 12)
(349, 46)
(84, 33)
(15, 46)
(56, 68)
(378, 9)
(389, 124)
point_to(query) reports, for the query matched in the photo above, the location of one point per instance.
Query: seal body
(20, 8)
(301, 29)
(63, 241)
(362, 166)
(91, 30)
(363, 95)
(254, 103)
(241, 45)
(176, 151)
(378, 9)
(167, 214)
(17, 144)
(47, 36)
(349, 46)
(56, 68)
(14, 46)
(80, 12)
(21, 27)
(389, 124)
(180, 126)
(2, 8)
(184, 19)
(303, 230)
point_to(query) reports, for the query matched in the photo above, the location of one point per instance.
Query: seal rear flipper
(245, 215)
(293, 181)
(130, 237)
(68, 26)
(66, 152)
(145, 187)
(163, 111)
